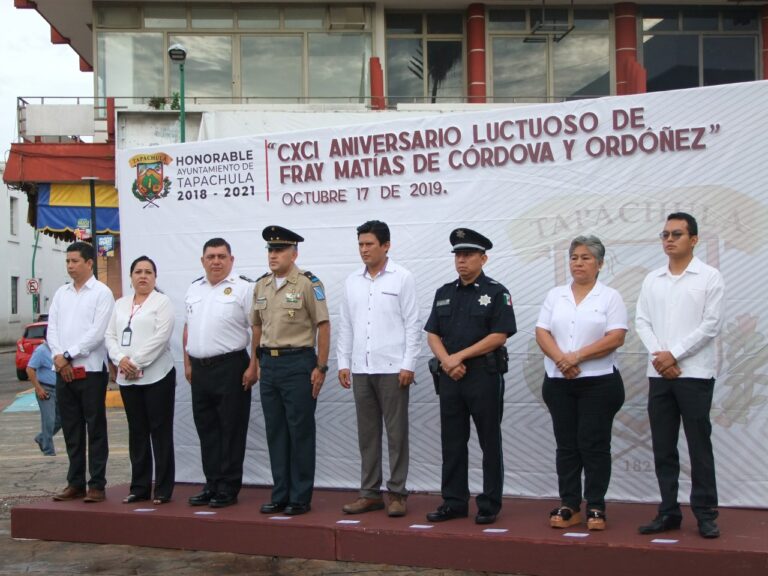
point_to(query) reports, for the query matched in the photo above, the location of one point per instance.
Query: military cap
(278, 237)
(466, 239)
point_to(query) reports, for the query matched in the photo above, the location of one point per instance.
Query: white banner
(530, 179)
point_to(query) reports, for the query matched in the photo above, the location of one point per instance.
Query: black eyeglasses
(676, 234)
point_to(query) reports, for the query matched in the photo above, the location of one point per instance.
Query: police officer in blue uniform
(471, 319)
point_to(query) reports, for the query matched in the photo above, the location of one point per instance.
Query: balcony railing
(73, 119)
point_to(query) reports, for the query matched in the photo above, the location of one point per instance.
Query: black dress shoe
(222, 500)
(296, 509)
(709, 529)
(661, 523)
(272, 507)
(131, 498)
(201, 498)
(444, 513)
(485, 518)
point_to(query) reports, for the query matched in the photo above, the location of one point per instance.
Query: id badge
(127, 335)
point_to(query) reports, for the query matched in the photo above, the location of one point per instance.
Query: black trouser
(221, 409)
(479, 395)
(289, 418)
(83, 412)
(689, 399)
(582, 413)
(149, 408)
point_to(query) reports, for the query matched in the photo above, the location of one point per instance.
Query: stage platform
(520, 542)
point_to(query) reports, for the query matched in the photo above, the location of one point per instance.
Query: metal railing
(99, 104)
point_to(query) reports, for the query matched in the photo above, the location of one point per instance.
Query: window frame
(721, 32)
(549, 40)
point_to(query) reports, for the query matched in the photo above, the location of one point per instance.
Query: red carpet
(521, 540)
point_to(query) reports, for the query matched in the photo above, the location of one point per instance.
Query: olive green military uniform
(288, 317)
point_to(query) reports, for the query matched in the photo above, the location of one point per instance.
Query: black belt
(285, 351)
(211, 360)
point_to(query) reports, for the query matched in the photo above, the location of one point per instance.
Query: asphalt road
(26, 475)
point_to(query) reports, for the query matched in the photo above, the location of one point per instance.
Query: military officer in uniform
(220, 371)
(290, 317)
(471, 319)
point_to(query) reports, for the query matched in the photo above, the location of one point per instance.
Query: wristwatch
(67, 356)
(322, 369)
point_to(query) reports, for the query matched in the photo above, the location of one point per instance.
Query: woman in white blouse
(580, 326)
(138, 343)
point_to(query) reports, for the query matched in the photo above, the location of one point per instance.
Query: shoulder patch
(263, 276)
(198, 279)
(319, 293)
(312, 278)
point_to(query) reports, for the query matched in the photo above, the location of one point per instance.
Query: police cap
(464, 239)
(279, 237)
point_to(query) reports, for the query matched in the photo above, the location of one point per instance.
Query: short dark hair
(693, 227)
(83, 248)
(216, 243)
(375, 227)
(144, 259)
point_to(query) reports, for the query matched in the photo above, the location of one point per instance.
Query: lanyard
(134, 310)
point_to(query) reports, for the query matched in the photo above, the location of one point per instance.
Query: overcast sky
(32, 66)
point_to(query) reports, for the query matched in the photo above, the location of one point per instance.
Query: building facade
(247, 57)
(24, 249)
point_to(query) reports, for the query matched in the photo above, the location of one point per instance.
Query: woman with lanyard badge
(580, 326)
(138, 342)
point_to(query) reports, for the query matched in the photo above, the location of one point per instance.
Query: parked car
(34, 334)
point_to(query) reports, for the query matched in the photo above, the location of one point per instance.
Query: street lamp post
(177, 53)
(94, 239)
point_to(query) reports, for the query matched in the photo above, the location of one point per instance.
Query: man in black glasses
(679, 314)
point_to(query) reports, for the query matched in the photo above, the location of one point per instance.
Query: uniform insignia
(484, 300)
(312, 278)
(292, 297)
(244, 277)
(460, 233)
(261, 299)
(291, 313)
(319, 293)
(507, 299)
(443, 302)
(193, 281)
(227, 291)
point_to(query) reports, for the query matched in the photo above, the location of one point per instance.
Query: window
(250, 51)
(425, 57)
(165, 17)
(14, 224)
(699, 46)
(117, 16)
(208, 67)
(130, 64)
(14, 295)
(559, 54)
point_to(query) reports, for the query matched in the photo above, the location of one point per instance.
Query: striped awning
(60, 206)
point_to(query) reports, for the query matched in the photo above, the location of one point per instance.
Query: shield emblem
(149, 179)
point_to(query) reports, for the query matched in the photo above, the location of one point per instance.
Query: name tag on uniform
(127, 335)
(443, 302)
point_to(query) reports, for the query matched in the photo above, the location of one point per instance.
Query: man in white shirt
(679, 314)
(379, 341)
(77, 320)
(221, 373)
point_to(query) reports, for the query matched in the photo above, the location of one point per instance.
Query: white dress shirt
(379, 329)
(77, 321)
(218, 317)
(682, 314)
(575, 326)
(151, 326)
